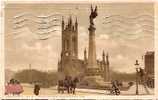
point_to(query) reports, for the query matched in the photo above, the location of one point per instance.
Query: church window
(66, 42)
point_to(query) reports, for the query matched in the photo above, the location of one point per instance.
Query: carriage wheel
(58, 90)
(117, 92)
(113, 92)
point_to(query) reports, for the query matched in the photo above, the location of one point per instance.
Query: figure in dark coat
(36, 89)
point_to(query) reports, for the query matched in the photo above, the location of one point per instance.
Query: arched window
(66, 43)
(74, 43)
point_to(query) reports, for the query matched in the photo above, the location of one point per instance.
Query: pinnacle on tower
(85, 54)
(73, 28)
(62, 19)
(107, 55)
(107, 59)
(76, 21)
(76, 25)
(103, 55)
(62, 23)
(70, 20)
(58, 61)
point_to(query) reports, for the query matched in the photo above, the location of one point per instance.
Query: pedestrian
(18, 87)
(36, 89)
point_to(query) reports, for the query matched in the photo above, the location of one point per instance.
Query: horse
(61, 86)
(67, 83)
(73, 85)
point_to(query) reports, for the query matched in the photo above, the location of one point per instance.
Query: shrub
(46, 79)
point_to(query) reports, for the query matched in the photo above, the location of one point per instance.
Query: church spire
(76, 25)
(63, 23)
(108, 69)
(70, 20)
(58, 61)
(85, 54)
(103, 56)
(107, 59)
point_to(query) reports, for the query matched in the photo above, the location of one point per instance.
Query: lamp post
(137, 71)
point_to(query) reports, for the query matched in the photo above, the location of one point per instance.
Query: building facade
(149, 68)
(149, 62)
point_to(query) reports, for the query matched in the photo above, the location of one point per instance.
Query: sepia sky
(124, 30)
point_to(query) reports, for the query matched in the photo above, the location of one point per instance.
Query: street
(52, 91)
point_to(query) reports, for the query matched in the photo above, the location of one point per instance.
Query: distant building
(149, 68)
(149, 62)
(69, 63)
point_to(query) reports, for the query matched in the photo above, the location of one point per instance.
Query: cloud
(119, 57)
(24, 34)
(83, 33)
(103, 36)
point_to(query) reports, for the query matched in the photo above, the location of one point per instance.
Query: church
(70, 64)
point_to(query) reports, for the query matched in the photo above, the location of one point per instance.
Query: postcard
(79, 49)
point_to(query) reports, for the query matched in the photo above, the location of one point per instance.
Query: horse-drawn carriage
(68, 84)
(61, 86)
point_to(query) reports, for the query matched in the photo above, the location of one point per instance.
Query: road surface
(28, 90)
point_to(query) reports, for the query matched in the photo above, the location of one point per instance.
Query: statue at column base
(93, 78)
(93, 71)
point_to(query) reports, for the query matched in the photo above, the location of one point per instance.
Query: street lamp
(137, 70)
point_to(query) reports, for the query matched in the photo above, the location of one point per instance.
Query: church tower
(70, 39)
(69, 52)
